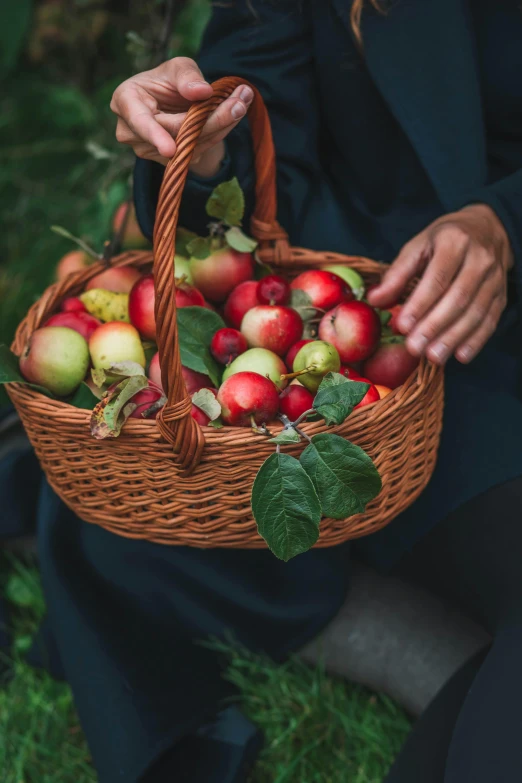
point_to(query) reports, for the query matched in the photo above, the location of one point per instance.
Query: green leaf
(183, 237)
(285, 506)
(15, 19)
(111, 413)
(287, 436)
(302, 302)
(10, 372)
(227, 203)
(343, 475)
(115, 372)
(217, 424)
(239, 241)
(83, 398)
(384, 316)
(337, 396)
(19, 593)
(196, 327)
(206, 401)
(198, 247)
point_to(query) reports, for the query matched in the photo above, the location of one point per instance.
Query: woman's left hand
(463, 259)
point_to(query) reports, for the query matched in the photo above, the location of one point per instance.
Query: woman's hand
(463, 259)
(151, 107)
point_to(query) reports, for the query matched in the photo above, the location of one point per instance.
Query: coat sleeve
(269, 44)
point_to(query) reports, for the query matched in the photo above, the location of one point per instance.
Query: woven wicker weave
(172, 482)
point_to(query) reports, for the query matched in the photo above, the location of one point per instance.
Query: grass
(318, 729)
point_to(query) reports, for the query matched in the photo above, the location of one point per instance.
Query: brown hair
(356, 13)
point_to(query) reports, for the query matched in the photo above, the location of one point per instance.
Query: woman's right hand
(152, 105)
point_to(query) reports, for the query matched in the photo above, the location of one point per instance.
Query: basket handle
(174, 420)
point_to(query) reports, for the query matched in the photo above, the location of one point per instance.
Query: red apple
(155, 370)
(392, 323)
(133, 236)
(115, 342)
(350, 373)
(188, 296)
(383, 390)
(273, 290)
(240, 300)
(354, 328)
(294, 350)
(273, 327)
(119, 279)
(194, 381)
(73, 304)
(217, 275)
(57, 358)
(372, 395)
(71, 262)
(82, 322)
(325, 289)
(295, 400)
(259, 360)
(227, 344)
(141, 307)
(247, 396)
(144, 400)
(391, 364)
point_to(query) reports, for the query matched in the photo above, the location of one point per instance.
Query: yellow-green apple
(313, 361)
(57, 358)
(116, 342)
(262, 361)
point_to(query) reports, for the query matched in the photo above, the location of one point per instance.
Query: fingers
(449, 252)
(453, 304)
(136, 110)
(410, 262)
(468, 335)
(187, 79)
(221, 121)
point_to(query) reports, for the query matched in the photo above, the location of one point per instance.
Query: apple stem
(291, 375)
(302, 417)
(302, 434)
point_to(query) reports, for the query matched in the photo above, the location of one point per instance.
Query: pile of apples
(268, 366)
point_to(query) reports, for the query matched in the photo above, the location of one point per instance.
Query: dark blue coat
(370, 149)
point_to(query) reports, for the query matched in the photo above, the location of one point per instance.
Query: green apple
(313, 361)
(262, 361)
(115, 342)
(57, 358)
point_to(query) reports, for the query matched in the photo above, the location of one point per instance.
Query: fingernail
(466, 353)
(439, 351)
(238, 110)
(418, 343)
(246, 94)
(200, 83)
(406, 322)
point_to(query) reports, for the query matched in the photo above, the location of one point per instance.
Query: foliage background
(60, 61)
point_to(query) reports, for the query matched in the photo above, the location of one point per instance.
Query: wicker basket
(172, 482)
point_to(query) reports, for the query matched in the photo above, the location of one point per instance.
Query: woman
(398, 132)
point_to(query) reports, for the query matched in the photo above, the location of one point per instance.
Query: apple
(118, 279)
(154, 371)
(350, 373)
(247, 397)
(141, 307)
(75, 261)
(194, 381)
(262, 361)
(391, 364)
(273, 290)
(295, 400)
(199, 415)
(57, 358)
(392, 323)
(73, 304)
(182, 268)
(274, 327)
(133, 236)
(115, 342)
(144, 400)
(354, 328)
(313, 361)
(383, 390)
(350, 276)
(372, 395)
(294, 350)
(188, 296)
(82, 322)
(227, 344)
(218, 274)
(325, 289)
(240, 300)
